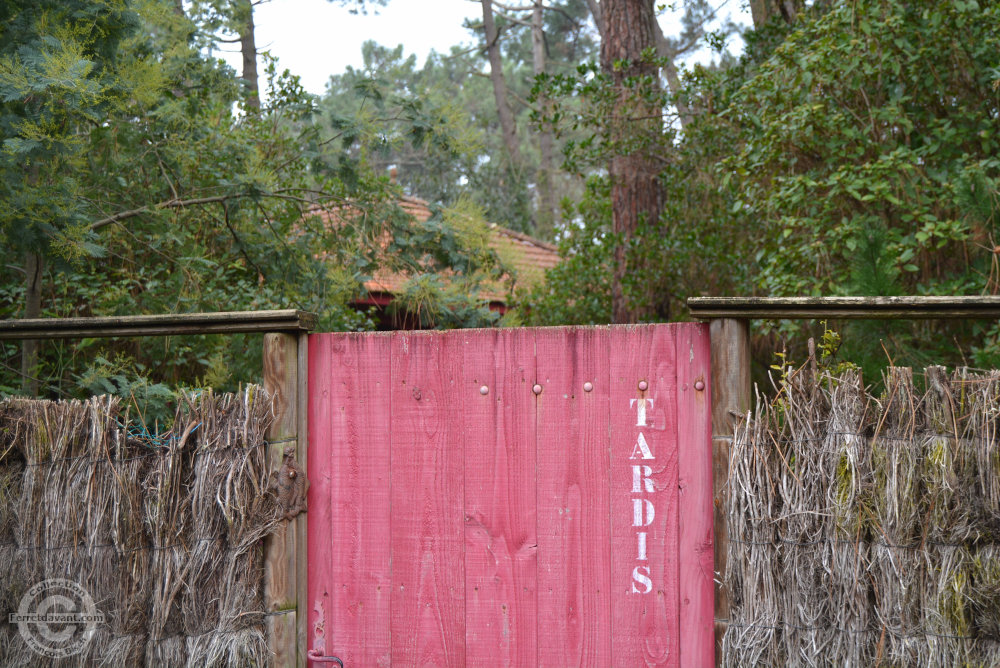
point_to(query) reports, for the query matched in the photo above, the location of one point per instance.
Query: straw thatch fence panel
(163, 531)
(865, 530)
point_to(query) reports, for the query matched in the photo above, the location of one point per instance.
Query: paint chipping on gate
(527, 497)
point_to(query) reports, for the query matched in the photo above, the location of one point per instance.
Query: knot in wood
(289, 487)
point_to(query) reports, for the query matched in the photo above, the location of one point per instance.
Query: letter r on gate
(641, 481)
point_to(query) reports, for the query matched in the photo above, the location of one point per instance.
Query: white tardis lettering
(640, 413)
(643, 510)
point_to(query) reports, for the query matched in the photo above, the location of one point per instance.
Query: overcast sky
(317, 38)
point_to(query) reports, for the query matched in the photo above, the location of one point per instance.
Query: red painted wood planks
(427, 618)
(349, 568)
(574, 546)
(643, 467)
(320, 495)
(500, 542)
(694, 436)
(450, 527)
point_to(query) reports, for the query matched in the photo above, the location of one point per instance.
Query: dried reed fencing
(864, 530)
(164, 532)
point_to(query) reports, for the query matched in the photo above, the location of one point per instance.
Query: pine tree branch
(169, 204)
(510, 8)
(197, 201)
(528, 8)
(512, 19)
(595, 11)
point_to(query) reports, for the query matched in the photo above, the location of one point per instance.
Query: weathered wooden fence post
(285, 379)
(730, 398)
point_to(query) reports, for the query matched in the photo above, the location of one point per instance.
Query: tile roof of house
(529, 257)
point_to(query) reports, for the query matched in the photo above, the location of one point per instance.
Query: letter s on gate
(640, 574)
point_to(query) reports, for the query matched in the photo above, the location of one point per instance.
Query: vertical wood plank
(694, 475)
(280, 550)
(730, 397)
(644, 622)
(427, 616)
(321, 492)
(302, 519)
(574, 531)
(501, 546)
(349, 568)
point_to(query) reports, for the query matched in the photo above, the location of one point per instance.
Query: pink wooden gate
(526, 497)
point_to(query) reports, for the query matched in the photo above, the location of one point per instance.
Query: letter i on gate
(643, 510)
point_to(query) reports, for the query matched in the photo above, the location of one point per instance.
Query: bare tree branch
(239, 242)
(531, 8)
(664, 51)
(509, 8)
(513, 19)
(595, 11)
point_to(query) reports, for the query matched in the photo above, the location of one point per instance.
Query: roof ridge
(416, 201)
(527, 238)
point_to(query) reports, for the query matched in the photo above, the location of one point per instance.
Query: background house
(527, 256)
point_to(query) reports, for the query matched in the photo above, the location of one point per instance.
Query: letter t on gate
(640, 414)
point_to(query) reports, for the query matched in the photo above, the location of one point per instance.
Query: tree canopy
(850, 149)
(139, 179)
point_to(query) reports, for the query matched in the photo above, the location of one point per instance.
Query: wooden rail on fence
(838, 308)
(227, 322)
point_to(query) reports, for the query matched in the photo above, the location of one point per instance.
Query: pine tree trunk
(636, 194)
(664, 51)
(507, 127)
(548, 211)
(762, 11)
(248, 47)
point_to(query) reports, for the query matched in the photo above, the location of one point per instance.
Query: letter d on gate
(637, 507)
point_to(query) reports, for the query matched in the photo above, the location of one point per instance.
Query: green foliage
(136, 170)
(429, 301)
(588, 98)
(127, 378)
(372, 108)
(853, 152)
(577, 291)
(867, 116)
(860, 138)
(64, 66)
(392, 113)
